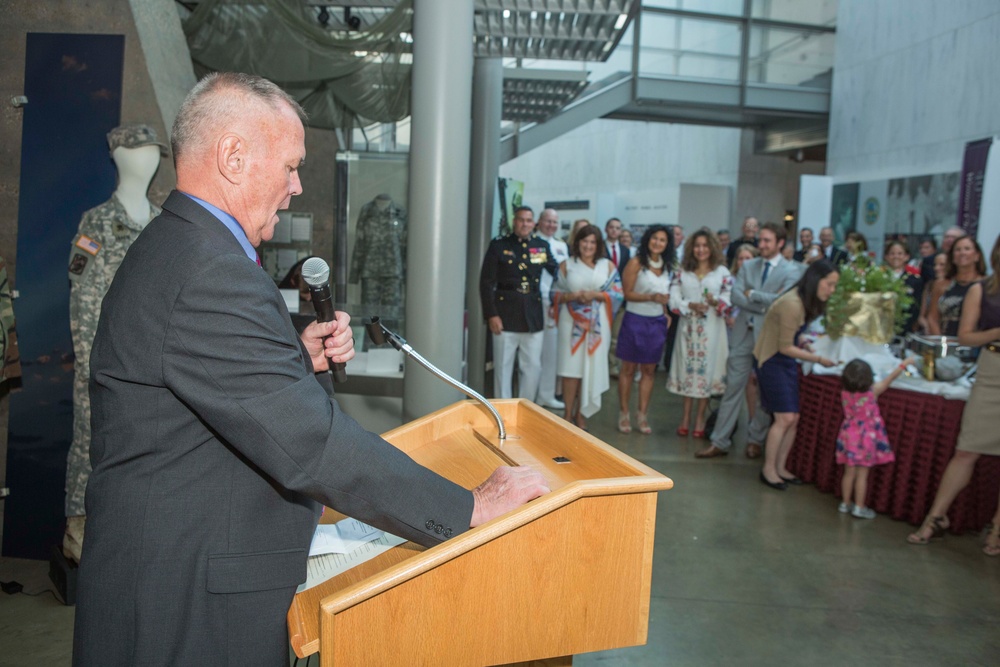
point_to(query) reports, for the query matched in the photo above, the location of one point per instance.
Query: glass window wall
(675, 46)
(813, 12)
(790, 57)
(729, 7)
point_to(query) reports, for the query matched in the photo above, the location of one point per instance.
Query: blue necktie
(767, 268)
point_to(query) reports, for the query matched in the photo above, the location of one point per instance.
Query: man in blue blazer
(214, 445)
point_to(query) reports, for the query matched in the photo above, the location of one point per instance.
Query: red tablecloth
(923, 430)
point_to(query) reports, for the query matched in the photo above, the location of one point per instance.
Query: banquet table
(923, 430)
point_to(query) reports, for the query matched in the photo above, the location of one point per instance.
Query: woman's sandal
(991, 539)
(624, 422)
(643, 424)
(937, 526)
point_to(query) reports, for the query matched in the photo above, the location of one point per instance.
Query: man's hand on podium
(506, 489)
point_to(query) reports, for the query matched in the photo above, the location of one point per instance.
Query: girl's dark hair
(808, 284)
(585, 231)
(668, 256)
(857, 376)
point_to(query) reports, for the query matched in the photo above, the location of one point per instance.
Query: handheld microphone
(316, 273)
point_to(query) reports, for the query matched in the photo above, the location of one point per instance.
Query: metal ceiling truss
(532, 95)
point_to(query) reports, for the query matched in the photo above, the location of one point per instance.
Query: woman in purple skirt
(646, 283)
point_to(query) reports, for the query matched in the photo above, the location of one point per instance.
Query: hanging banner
(511, 193)
(973, 172)
(74, 82)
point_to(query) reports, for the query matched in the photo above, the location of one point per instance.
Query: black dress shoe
(777, 486)
(794, 481)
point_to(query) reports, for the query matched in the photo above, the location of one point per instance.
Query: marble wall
(914, 80)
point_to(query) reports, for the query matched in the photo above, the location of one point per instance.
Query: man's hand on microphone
(328, 341)
(506, 489)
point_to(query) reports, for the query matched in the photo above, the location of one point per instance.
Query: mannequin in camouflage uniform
(105, 234)
(378, 261)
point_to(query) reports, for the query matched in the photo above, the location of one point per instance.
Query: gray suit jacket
(213, 447)
(780, 279)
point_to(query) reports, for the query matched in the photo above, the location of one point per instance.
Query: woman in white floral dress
(700, 294)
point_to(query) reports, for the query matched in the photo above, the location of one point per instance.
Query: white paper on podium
(341, 537)
(328, 566)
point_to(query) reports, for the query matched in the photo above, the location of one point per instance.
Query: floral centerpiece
(869, 302)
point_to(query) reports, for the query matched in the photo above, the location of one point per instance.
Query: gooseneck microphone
(316, 273)
(380, 335)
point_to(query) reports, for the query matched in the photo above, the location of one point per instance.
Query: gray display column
(487, 107)
(438, 200)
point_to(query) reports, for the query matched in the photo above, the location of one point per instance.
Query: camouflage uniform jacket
(380, 243)
(107, 231)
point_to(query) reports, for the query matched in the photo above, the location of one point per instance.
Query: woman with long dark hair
(965, 268)
(700, 294)
(777, 353)
(646, 284)
(587, 293)
(979, 327)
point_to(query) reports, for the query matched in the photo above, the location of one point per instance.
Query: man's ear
(231, 156)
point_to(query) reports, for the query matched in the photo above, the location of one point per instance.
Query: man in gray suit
(214, 444)
(760, 281)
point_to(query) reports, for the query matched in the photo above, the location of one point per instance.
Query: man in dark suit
(806, 242)
(749, 237)
(214, 445)
(617, 253)
(831, 252)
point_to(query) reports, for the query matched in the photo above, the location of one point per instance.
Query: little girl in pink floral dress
(862, 441)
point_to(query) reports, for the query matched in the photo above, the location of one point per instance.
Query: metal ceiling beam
(802, 112)
(533, 95)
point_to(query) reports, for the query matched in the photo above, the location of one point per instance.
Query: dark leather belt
(520, 289)
(993, 347)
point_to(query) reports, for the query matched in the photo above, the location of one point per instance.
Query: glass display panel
(372, 227)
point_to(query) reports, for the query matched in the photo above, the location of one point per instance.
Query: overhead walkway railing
(761, 65)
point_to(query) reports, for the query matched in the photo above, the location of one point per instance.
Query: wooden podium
(567, 573)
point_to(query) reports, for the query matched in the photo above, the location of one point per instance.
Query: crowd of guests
(726, 318)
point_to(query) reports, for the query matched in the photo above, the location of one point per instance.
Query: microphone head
(315, 272)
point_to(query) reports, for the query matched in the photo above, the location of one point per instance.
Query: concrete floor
(743, 575)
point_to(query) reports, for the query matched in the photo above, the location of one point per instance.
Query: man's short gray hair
(203, 107)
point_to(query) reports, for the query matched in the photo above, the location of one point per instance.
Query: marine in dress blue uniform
(510, 290)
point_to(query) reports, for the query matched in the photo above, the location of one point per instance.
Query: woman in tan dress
(979, 326)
